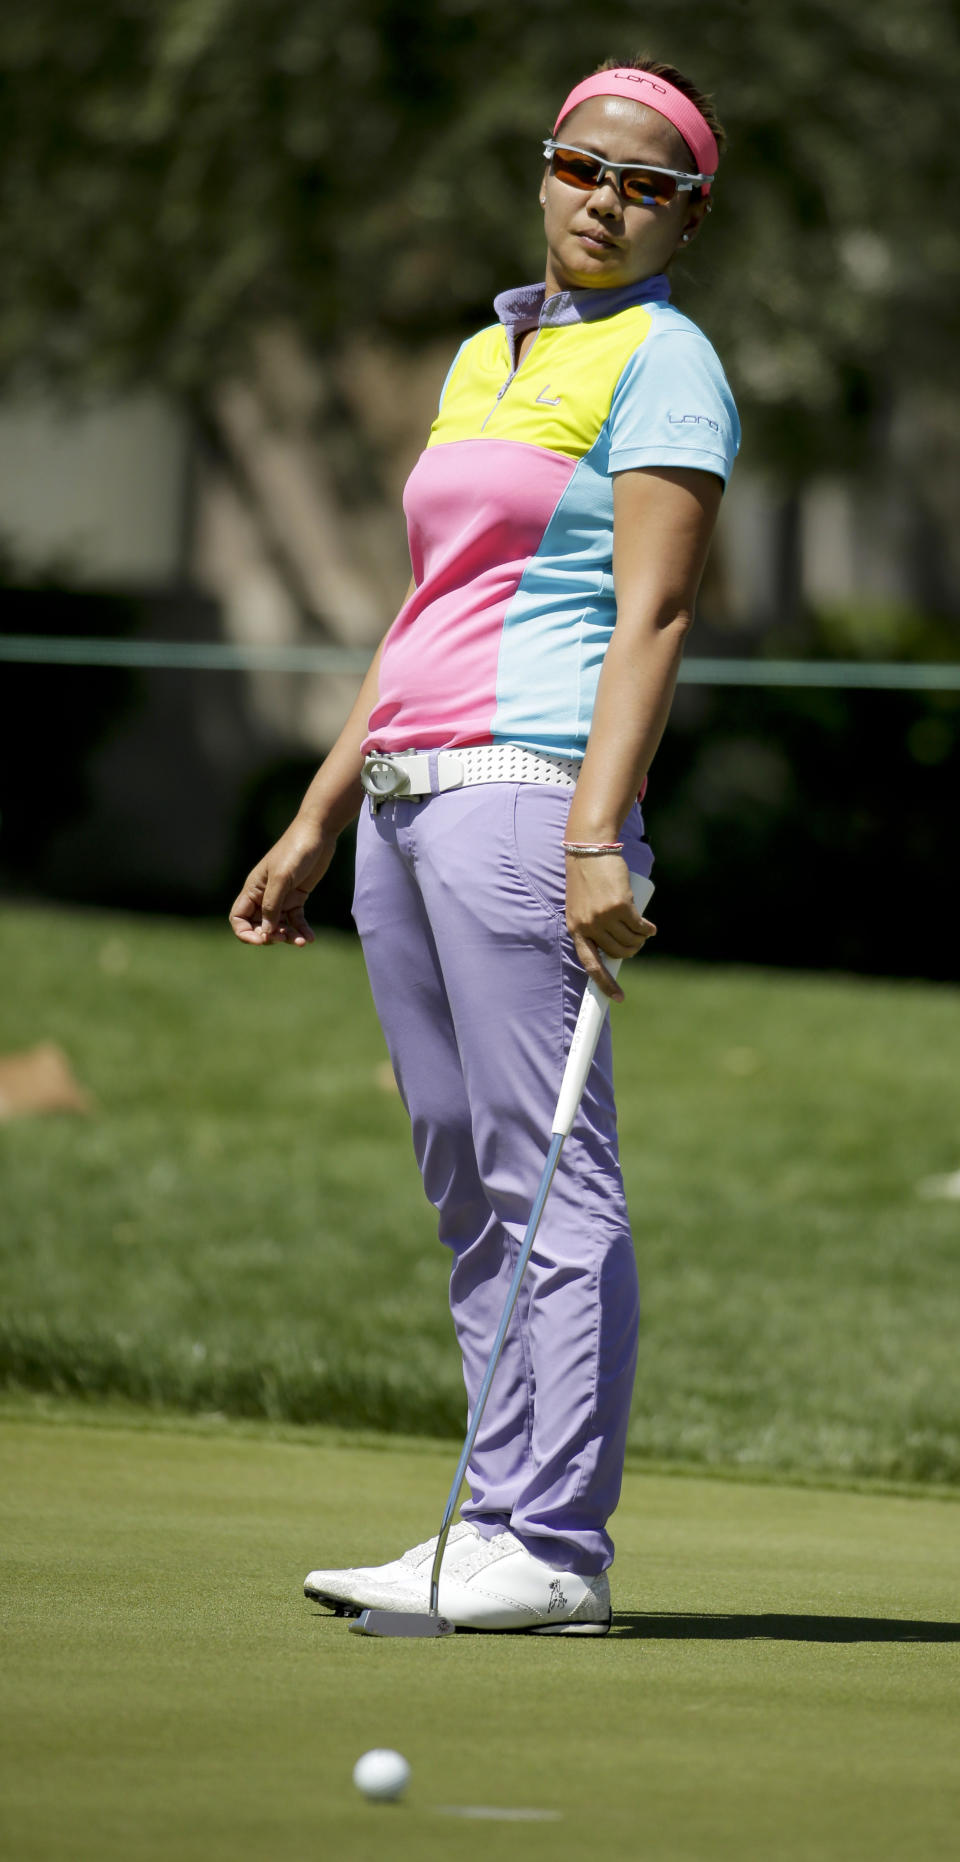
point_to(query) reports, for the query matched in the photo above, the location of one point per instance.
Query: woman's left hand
(602, 916)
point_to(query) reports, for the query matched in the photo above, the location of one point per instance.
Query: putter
(593, 1014)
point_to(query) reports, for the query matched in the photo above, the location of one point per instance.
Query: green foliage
(175, 173)
(873, 630)
(240, 1227)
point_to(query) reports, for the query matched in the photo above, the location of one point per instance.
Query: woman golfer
(559, 519)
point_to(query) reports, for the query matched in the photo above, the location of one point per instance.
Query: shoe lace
(418, 1553)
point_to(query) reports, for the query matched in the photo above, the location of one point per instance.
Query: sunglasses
(643, 185)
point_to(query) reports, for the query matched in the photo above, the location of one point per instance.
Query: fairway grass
(239, 1226)
(781, 1683)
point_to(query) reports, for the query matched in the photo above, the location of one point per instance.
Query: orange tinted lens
(577, 170)
(637, 184)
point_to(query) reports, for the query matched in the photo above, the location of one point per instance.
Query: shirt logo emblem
(545, 400)
(693, 420)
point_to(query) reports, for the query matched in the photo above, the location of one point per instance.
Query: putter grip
(593, 1014)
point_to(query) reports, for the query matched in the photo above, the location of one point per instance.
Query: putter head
(400, 1623)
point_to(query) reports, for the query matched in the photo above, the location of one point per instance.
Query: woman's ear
(695, 217)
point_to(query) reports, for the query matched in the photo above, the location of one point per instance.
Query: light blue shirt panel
(557, 627)
(672, 405)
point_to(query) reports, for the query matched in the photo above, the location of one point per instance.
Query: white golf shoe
(355, 1586)
(493, 1584)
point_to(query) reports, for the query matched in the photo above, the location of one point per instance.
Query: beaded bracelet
(588, 847)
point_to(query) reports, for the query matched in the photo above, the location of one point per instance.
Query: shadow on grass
(691, 1627)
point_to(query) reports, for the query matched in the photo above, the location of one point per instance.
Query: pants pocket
(539, 825)
(539, 829)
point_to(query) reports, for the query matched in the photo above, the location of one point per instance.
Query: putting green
(782, 1682)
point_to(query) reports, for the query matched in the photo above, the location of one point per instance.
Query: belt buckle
(382, 780)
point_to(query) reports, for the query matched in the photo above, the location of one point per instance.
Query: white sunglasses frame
(685, 182)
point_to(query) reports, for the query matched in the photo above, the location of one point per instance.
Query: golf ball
(381, 1774)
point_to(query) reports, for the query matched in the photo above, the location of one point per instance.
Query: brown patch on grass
(40, 1080)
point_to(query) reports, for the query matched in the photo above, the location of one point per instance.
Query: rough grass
(240, 1226)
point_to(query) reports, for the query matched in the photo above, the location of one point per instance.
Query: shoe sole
(338, 1605)
(340, 1608)
(569, 1629)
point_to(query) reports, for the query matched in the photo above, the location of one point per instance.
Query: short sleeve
(672, 406)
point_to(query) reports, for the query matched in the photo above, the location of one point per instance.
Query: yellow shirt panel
(560, 395)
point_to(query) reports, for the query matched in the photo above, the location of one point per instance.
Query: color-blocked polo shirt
(510, 513)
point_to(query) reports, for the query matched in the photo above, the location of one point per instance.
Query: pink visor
(658, 95)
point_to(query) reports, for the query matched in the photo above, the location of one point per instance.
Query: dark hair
(671, 75)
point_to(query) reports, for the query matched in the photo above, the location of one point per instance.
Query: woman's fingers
(620, 941)
(247, 933)
(244, 914)
(639, 932)
(601, 909)
(300, 930)
(596, 969)
(272, 904)
(281, 912)
(269, 910)
(612, 945)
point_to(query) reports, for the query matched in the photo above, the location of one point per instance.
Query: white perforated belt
(409, 775)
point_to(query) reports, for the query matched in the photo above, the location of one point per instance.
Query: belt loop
(433, 764)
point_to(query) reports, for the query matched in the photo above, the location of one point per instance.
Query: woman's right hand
(269, 909)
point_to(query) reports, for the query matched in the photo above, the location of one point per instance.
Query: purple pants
(460, 906)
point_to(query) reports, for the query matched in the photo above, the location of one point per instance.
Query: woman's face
(599, 239)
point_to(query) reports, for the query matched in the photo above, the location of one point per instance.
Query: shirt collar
(528, 307)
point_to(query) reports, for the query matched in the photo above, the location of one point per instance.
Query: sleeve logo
(693, 420)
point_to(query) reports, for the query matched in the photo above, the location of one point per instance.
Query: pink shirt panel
(476, 512)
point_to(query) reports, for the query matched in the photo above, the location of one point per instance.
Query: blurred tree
(176, 175)
(198, 191)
